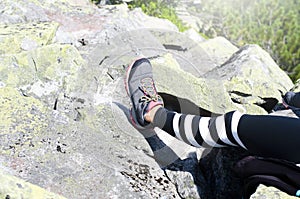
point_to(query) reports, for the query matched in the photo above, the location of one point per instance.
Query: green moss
(22, 120)
(56, 63)
(208, 94)
(93, 117)
(239, 84)
(12, 36)
(270, 192)
(20, 114)
(17, 188)
(212, 94)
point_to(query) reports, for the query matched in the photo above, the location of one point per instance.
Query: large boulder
(252, 78)
(65, 124)
(195, 57)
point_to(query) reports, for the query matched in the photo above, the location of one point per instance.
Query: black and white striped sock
(219, 131)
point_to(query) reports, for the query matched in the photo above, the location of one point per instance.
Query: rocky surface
(64, 111)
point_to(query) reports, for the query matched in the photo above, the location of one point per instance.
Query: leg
(262, 135)
(198, 131)
(267, 136)
(271, 136)
(147, 105)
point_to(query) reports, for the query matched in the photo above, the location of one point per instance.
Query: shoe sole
(128, 70)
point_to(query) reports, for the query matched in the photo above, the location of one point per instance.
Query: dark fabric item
(274, 138)
(271, 136)
(195, 127)
(252, 183)
(163, 119)
(181, 128)
(196, 132)
(155, 143)
(281, 174)
(214, 132)
(228, 119)
(292, 99)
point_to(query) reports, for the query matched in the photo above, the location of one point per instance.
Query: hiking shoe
(141, 89)
(291, 100)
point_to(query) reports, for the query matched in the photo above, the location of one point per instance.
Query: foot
(291, 100)
(141, 89)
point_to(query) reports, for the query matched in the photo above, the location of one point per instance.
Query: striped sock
(219, 131)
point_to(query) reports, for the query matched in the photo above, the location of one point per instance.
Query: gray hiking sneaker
(141, 89)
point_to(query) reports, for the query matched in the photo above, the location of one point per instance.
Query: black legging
(262, 135)
(271, 136)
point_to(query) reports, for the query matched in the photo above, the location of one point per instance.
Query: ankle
(149, 116)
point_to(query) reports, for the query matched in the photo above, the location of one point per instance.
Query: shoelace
(147, 86)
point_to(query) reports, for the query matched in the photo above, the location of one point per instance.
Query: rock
(187, 53)
(188, 178)
(270, 192)
(45, 71)
(22, 118)
(65, 114)
(287, 113)
(296, 87)
(61, 105)
(194, 56)
(194, 35)
(12, 187)
(219, 50)
(209, 94)
(13, 12)
(252, 78)
(222, 182)
(18, 37)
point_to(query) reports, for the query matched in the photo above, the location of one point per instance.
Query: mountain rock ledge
(64, 129)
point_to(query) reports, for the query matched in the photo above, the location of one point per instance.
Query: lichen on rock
(17, 37)
(13, 187)
(65, 115)
(22, 118)
(44, 72)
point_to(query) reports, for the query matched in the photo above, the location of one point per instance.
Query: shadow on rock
(182, 172)
(211, 177)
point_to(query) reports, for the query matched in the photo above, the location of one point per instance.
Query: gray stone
(65, 123)
(194, 35)
(21, 12)
(251, 77)
(219, 50)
